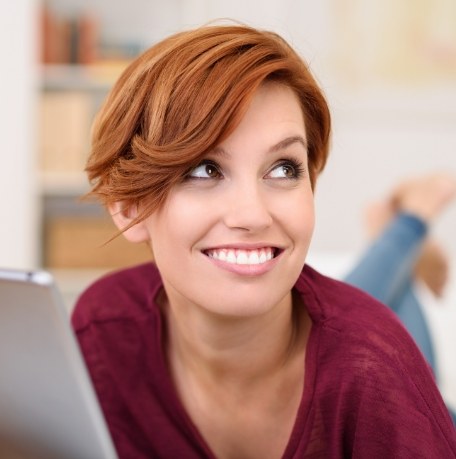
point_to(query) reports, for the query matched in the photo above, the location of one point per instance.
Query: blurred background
(388, 68)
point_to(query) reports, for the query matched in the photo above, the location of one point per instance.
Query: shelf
(63, 184)
(96, 78)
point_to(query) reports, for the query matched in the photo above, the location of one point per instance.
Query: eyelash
(297, 166)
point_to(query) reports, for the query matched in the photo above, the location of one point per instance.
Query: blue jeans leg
(385, 267)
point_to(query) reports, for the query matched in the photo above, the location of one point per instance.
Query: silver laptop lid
(47, 402)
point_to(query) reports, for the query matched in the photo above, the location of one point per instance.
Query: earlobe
(122, 216)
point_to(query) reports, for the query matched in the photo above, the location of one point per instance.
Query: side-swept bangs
(184, 96)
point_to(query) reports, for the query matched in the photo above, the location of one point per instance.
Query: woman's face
(233, 237)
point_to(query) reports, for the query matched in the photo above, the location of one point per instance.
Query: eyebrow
(287, 142)
(283, 144)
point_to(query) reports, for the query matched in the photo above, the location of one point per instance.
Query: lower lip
(246, 270)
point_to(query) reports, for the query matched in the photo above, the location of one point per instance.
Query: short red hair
(181, 98)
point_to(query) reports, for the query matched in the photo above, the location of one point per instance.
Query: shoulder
(343, 307)
(117, 295)
(355, 326)
(382, 378)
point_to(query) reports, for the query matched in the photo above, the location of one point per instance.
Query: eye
(206, 170)
(286, 169)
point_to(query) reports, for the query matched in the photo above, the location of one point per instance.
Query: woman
(208, 150)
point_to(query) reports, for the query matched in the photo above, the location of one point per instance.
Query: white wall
(380, 139)
(17, 95)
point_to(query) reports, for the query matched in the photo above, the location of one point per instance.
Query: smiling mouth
(242, 256)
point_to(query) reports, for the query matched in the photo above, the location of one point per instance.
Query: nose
(248, 208)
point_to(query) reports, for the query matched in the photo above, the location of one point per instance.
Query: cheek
(178, 224)
(297, 213)
(304, 224)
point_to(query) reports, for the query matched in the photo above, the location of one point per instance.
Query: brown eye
(206, 170)
(211, 171)
(288, 171)
(284, 170)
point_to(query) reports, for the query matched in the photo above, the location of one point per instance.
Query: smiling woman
(228, 346)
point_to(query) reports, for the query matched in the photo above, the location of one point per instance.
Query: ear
(122, 216)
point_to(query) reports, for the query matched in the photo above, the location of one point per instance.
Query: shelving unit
(90, 84)
(81, 60)
(75, 232)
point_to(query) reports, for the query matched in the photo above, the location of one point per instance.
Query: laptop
(48, 407)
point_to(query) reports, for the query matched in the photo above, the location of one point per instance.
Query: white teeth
(242, 257)
(263, 256)
(231, 257)
(254, 257)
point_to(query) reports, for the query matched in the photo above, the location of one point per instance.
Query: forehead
(274, 119)
(277, 147)
(274, 104)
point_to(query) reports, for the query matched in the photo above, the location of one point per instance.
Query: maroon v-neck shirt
(368, 392)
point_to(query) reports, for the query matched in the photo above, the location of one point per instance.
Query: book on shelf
(77, 39)
(64, 132)
(69, 40)
(85, 242)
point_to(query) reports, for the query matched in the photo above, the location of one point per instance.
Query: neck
(237, 351)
